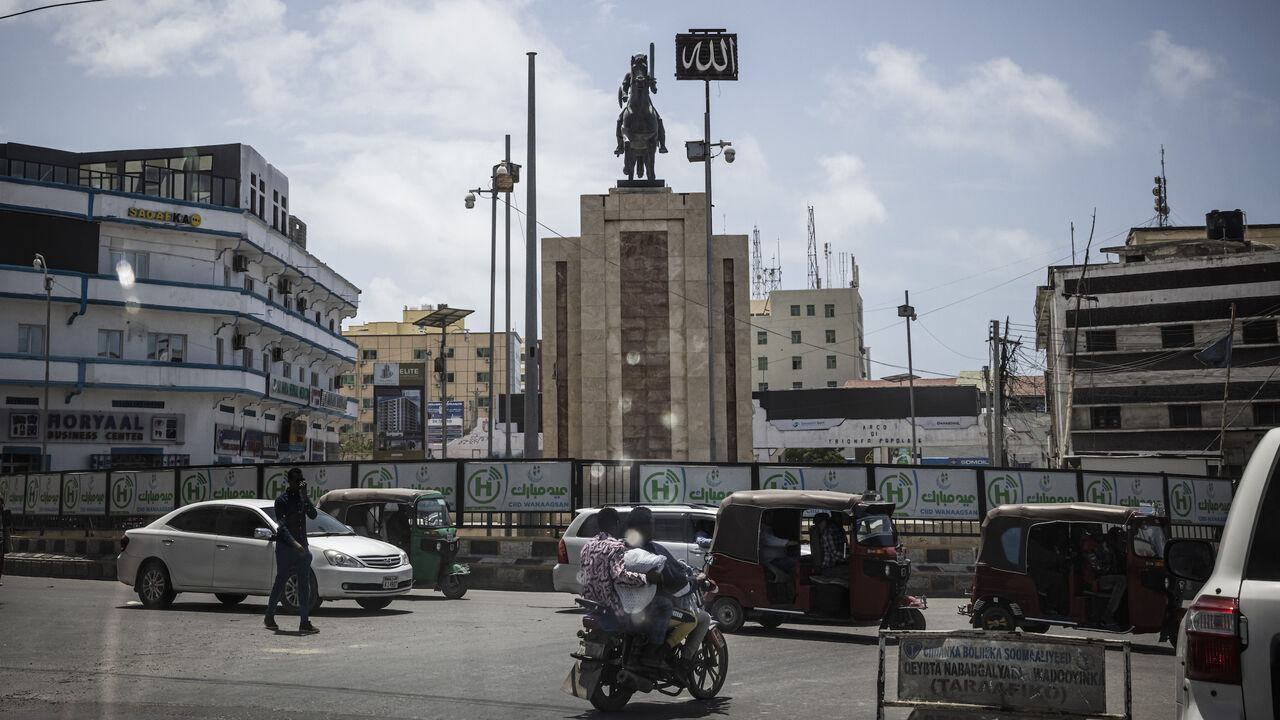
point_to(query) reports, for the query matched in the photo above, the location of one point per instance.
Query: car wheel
(290, 595)
(230, 599)
(1035, 627)
(453, 586)
(376, 603)
(770, 622)
(728, 613)
(996, 617)
(154, 588)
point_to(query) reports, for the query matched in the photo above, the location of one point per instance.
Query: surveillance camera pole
(45, 463)
(711, 333)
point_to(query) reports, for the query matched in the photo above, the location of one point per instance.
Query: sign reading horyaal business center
(96, 426)
(707, 55)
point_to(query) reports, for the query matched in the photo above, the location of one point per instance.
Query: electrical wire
(46, 7)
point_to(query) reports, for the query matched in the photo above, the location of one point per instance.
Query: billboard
(435, 422)
(453, 419)
(84, 493)
(695, 484)
(320, 479)
(217, 483)
(1010, 487)
(1199, 501)
(44, 493)
(930, 493)
(440, 476)
(398, 422)
(1127, 490)
(517, 486)
(851, 479)
(13, 488)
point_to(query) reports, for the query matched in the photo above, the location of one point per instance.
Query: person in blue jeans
(293, 558)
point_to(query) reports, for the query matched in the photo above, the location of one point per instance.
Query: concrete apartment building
(1138, 389)
(468, 365)
(807, 339)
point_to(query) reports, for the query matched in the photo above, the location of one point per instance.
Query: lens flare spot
(633, 358)
(124, 271)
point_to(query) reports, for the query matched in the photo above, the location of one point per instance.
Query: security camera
(729, 154)
(502, 169)
(38, 262)
(470, 200)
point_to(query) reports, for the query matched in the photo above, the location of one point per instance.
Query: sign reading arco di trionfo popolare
(1008, 673)
(518, 486)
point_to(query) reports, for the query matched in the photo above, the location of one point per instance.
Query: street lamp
(39, 264)
(442, 317)
(703, 151)
(906, 311)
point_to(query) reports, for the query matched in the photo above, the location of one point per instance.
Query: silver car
(675, 527)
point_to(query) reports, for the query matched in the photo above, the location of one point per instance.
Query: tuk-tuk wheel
(907, 619)
(997, 617)
(1035, 627)
(728, 613)
(453, 586)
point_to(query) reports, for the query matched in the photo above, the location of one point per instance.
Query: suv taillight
(562, 553)
(124, 542)
(1213, 640)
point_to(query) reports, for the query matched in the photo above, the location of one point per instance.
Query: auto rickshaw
(416, 521)
(1034, 570)
(865, 587)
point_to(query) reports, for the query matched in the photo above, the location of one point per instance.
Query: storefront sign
(155, 492)
(1199, 501)
(929, 493)
(695, 484)
(165, 216)
(1010, 487)
(252, 444)
(84, 493)
(399, 374)
(1125, 490)
(328, 400)
(44, 494)
(438, 476)
(317, 451)
(807, 424)
(226, 439)
(851, 480)
(1036, 674)
(270, 445)
(518, 486)
(283, 389)
(320, 479)
(125, 428)
(13, 488)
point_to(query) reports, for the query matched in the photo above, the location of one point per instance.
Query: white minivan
(1229, 643)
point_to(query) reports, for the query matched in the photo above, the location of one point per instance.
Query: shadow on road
(218, 608)
(667, 711)
(809, 632)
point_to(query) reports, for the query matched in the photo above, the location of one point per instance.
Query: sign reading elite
(707, 56)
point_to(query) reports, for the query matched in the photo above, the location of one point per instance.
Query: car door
(242, 563)
(673, 531)
(187, 547)
(1260, 606)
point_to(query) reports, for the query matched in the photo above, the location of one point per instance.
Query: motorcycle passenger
(1102, 562)
(681, 582)
(673, 583)
(603, 566)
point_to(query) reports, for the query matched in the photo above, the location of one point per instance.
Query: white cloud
(995, 106)
(1177, 70)
(848, 202)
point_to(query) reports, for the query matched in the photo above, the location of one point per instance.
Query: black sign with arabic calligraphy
(707, 56)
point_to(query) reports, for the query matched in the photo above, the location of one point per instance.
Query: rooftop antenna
(826, 256)
(1161, 191)
(775, 272)
(757, 266)
(815, 280)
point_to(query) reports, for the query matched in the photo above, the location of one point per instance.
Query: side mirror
(263, 534)
(353, 530)
(1189, 559)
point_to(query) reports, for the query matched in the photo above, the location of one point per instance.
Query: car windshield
(1148, 541)
(876, 531)
(433, 513)
(322, 524)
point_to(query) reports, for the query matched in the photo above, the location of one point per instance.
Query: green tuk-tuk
(416, 521)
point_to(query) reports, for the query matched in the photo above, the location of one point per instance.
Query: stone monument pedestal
(624, 349)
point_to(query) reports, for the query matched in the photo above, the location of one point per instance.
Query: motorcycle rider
(603, 566)
(676, 599)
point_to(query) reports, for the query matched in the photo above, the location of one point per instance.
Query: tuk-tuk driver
(1102, 562)
(773, 549)
(835, 542)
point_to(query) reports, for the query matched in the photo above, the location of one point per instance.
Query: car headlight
(341, 559)
(404, 559)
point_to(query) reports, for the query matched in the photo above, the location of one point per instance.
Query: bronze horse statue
(640, 131)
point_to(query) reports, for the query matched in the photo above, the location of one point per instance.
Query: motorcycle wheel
(710, 667)
(727, 612)
(907, 619)
(453, 586)
(610, 697)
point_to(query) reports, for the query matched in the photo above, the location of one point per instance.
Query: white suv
(674, 528)
(1227, 646)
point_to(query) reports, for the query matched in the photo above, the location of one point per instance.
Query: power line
(46, 7)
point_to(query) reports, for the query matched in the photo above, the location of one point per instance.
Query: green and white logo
(122, 492)
(1003, 490)
(379, 477)
(1100, 490)
(195, 488)
(71, 494)
(1182, 499)
(485, 485)
(898, 488)
(784, 480)
(664, 487)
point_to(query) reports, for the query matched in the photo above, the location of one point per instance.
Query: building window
(795, 311)
(1177, 336)
(124, 262)
(831, 362)
(482, 352)
(831, 336)
(111, 344)
(482, 377)
(266, 363)
(315, 379)
(248, 284)
(287, 368)
(1259, 332)
(1266, 414)
(448, 377)
(762, 387)
(795, 337)
(448, 352)
(366, 403)
(762, 363)
(762, 337)
(226, 276)
(166, 347)
(347, 380)
(302, 374)
(1184, 416)
(366, 427)
(419, 354)
(796, 362)
(828, 310)
(809, 310)
(253, 192)
(483, 402)
(366, 379)
(31, 339)
(1104, 418)
(1099, 340)
(368, 354)
(246, 358)
(219, 347)
(797, 385)
(831, 383)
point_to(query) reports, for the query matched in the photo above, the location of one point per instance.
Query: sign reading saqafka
(1011, 674)
(707, 56)
(165, 216)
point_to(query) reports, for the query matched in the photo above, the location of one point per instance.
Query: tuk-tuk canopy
(794, 499)
(1062, 512)
(738, 521)
(362, 495)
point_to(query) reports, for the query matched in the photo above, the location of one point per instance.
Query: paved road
(85, 649)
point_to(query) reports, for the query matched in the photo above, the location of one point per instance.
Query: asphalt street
(86, 649)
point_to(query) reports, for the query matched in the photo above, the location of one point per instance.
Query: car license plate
(389, 582)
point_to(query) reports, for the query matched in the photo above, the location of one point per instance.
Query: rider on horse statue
(638, 80)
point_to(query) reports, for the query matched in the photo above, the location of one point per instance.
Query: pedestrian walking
(293, 557)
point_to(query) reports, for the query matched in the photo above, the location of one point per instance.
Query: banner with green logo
(1125, 490)
(518, 486)
(84, 493)
(155, 492)
(1199, 501)
(219, 482)
(122, 493)
(13, 488)
(320, 479)
(44, 493)
(1012, 487)
(851, 479)
(440, 476)
(930, 493)
(693, 484)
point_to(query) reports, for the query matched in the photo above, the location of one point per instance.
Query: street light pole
(506, 327)
(906, 311)
(40, 264)
(711, 334)
(493, 284)
(532, 414)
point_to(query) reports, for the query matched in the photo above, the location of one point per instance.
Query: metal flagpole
(532, 356)
(506, 327)
(493, 283)
(711, 335)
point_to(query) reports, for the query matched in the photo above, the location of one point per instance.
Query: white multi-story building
(187, 322)
(807, 339)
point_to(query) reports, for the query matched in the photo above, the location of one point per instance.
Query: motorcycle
(608, 668)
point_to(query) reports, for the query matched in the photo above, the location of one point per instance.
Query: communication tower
(1161, 191)
(815, 280)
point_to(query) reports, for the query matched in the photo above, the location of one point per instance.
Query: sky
(947, 147)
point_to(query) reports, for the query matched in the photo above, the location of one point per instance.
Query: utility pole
(506, 327)
(532, 414)
(996, 388)
(1226, 392)
(1065, 448)
(991, 448)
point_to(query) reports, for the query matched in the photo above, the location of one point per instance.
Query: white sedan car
(227, 547)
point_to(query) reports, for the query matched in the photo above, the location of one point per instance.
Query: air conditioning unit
(237, 342)
(277, 354)
(239, 263)
(285, 286)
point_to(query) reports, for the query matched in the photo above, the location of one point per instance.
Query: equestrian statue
(640, 131)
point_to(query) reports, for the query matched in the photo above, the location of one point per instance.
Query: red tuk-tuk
(1037, 566)
(862, 585)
